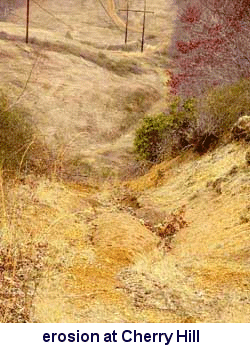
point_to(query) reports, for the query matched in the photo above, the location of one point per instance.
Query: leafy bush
(197, 123)
(226, 104)
(15, 134)
(218, 110)
(149, 137)
(166, 132)
(19, 149)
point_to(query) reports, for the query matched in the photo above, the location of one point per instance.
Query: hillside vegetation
(119, 202)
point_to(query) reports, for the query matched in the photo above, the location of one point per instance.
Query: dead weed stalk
(21, 261)
(168, 230)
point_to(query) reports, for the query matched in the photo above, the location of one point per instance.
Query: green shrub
(15, 135)
(194, 123)
(218, 110)
(226, 104)
(19, 149)
(166, 132)
(149, 137)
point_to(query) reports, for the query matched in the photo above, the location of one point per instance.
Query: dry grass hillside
(85, 90)
(85, 244)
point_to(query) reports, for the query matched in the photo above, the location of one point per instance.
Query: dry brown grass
(120, 236)
(212, 252)
(21, 267)
(104, 263)
(95, 242)
(101, 262)
(21, 259)
(79, 87)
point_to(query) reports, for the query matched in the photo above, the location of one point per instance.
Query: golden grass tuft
(158, 173)
(122, 238)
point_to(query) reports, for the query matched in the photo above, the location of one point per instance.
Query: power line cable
(25, 85)
(52, 14)
(63, 22)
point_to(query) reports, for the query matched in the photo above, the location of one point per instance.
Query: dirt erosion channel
(105, 263)
(104, 260)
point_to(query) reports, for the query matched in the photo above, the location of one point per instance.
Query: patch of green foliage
(197, 123)
(19, 148)
(165, 132)
(226, 104)
(218, 110)
(15, 135)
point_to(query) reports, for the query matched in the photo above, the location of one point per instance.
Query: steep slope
(105, 262)
(212, 251)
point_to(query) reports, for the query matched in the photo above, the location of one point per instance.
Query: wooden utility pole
(143, 25)
(126, 30)
(27, 21)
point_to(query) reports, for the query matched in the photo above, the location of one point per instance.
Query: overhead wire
(52, 14)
